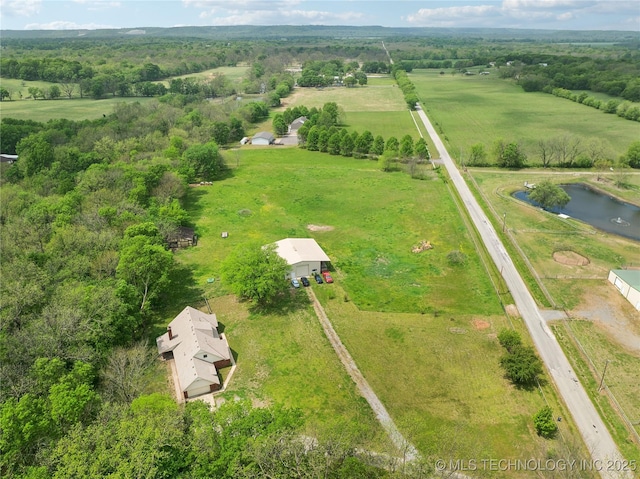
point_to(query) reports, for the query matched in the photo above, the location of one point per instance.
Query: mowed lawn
(481, 109)
(378, 107)
(422, 331)
(75, 109)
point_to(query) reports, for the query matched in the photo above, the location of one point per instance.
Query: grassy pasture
(235, 74)
(75, 109)
(376, 218)
(408, 319)
(481, 109)
(378, 95)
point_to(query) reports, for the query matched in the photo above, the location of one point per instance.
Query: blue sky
(537, 14)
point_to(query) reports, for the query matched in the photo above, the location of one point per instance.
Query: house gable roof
(298, 250)
(196, 345)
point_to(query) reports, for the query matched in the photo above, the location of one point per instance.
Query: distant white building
(304, 255)
(192, 340)
(627, 281)
(263, 138)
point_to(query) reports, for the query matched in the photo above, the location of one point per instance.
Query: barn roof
(297, 250)
(629, 276)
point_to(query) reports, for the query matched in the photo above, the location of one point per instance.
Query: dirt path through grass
(409, 451)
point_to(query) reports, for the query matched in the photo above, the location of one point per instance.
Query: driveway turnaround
(606, 457)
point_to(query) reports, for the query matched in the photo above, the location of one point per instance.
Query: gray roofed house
(192, 340)
(263, 138)
(296, 124)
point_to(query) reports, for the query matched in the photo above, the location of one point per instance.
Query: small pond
(597, 209)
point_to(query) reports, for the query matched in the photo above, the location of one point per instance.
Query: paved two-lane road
(604, 452)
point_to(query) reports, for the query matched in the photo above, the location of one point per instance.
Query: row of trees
(407, 87)
(564, 151)
(624, 109)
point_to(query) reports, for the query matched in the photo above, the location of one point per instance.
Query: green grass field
(81, 109)
(422, 332)
(481, 109)
(75, 109)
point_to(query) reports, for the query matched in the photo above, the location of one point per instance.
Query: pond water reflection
(597, 209)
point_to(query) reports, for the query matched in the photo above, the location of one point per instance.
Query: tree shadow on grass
(292, 300)
(184, 291)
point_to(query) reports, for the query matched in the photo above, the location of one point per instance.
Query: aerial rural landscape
(319, 252)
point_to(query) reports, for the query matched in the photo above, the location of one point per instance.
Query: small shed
(627, 281)
(193, 341)
(263, 138)
(9, 159)
(304, 255)
(183, 237)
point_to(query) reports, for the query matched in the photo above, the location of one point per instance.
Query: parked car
(318, 278)
(295, 283)
(327, 277)
(304, 281)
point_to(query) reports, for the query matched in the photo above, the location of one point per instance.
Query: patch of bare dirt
(480, 324)
(319, 228)
(607, 308)
(570, 258)
(512, 310)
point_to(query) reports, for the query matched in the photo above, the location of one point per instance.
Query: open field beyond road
(482, 109)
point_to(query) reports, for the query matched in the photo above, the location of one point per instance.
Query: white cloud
(93, 5)
(453, 16)
(62, 25)
(260, 12)
(512, 12)
(25, 8)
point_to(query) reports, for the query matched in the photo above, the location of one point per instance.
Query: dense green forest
(86, 211)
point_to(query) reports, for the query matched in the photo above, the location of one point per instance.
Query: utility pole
(603, 373)
(504, 222)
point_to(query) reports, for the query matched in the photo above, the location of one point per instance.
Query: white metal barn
(628, 283)
(263, 138)
(304, 255)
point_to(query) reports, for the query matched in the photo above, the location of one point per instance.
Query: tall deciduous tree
(549, 196)
(144, 264)
(256, 273)
(206, 160)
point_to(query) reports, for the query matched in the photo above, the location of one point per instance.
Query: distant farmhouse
(198, 350)
(628, 283)
(296, 124)
(303, 255)
(263, 138)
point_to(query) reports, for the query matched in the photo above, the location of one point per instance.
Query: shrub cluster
(520, 363)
